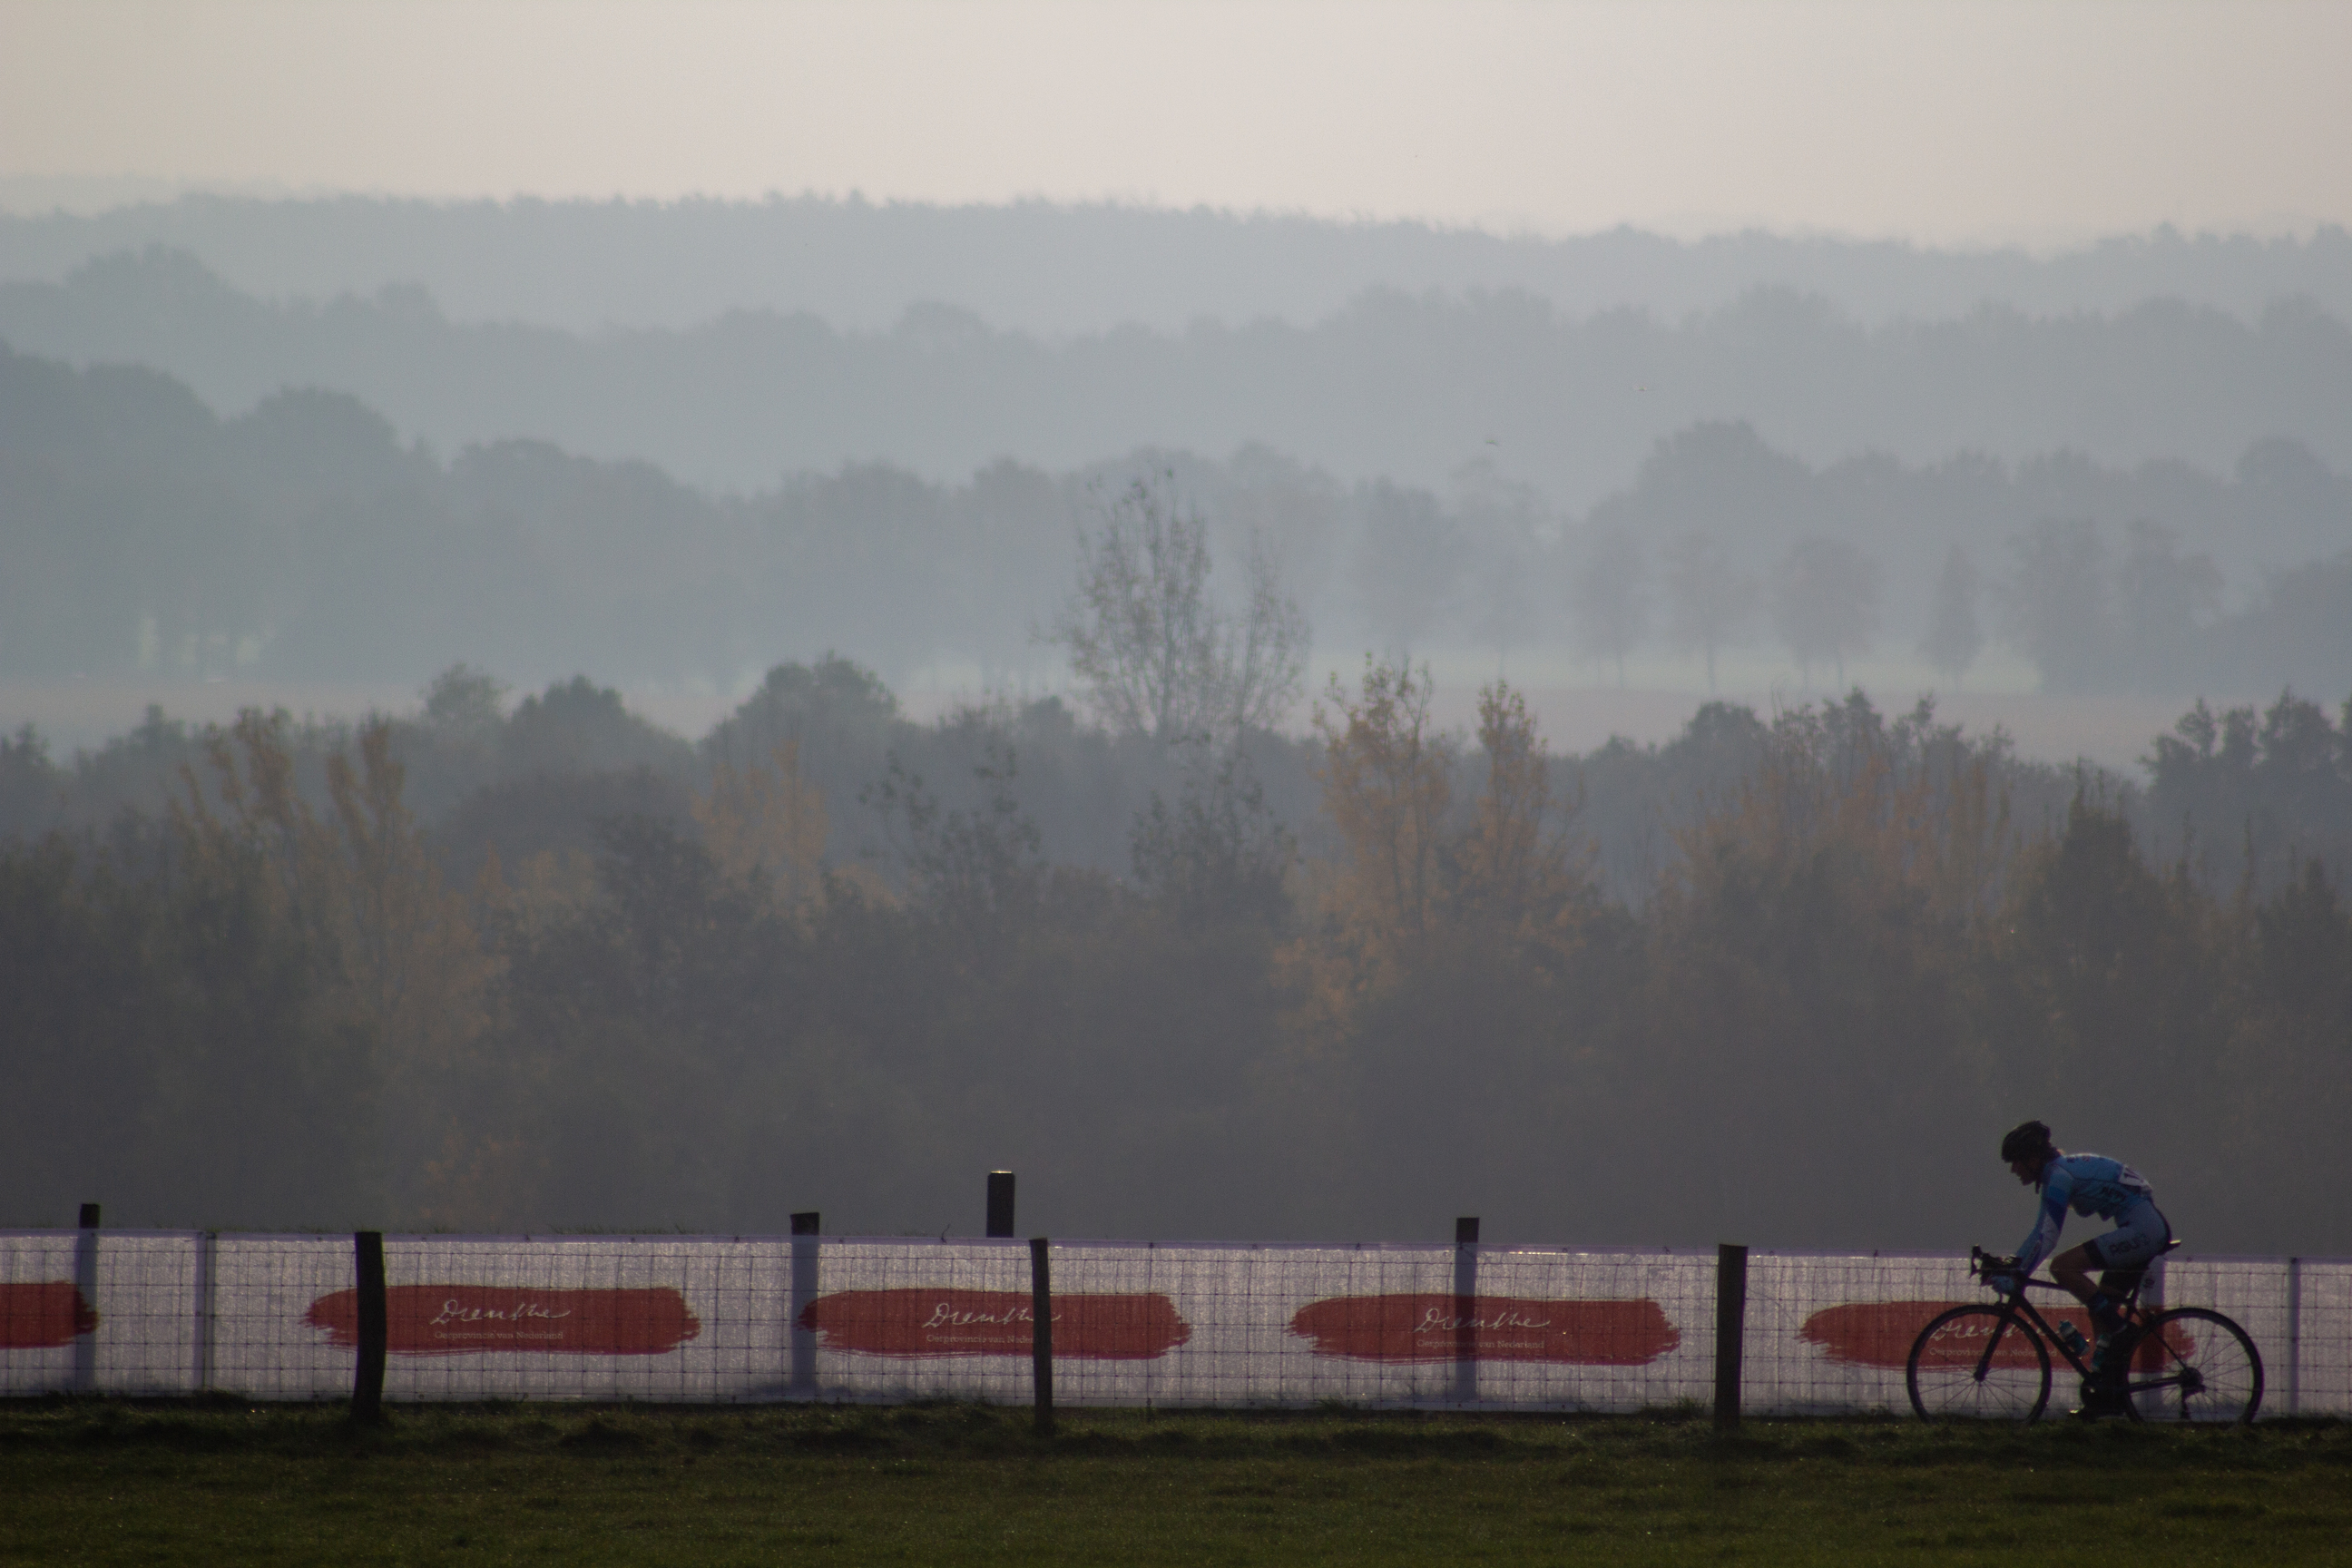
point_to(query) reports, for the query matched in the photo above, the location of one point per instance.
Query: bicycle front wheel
(1980, 1363)
(2190, 1364)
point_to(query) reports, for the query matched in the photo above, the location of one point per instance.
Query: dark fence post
(207, 1306)
(1466, 1309)
(84, 1345)
(1041, 1337)
(807, 1226)
(367, 1378)
(1730, 1330)
(1000, 1203)
(2293, 1336)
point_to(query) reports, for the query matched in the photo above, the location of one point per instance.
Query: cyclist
(2094, 1185)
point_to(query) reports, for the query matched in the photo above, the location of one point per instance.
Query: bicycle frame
(2017, 1306)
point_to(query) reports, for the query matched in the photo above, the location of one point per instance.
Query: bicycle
(1992, 1362)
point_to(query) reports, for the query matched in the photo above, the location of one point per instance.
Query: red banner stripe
(43, 1314)
(468, 1319)
(1881, 1334)
(1431, 1326)
(918, 1322)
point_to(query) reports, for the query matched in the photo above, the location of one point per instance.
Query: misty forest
(1202, 944)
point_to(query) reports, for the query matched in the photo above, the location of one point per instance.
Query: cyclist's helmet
(2026, 1141)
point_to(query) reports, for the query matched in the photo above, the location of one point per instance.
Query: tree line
(304, 538)
(1863, 946)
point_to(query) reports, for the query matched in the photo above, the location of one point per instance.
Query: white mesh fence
(111, 1312)
(717, 1319)
(1830, 1332)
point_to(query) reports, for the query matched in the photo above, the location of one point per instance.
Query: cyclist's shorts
(2133, 1243)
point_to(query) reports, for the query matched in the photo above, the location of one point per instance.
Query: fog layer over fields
(1201, 938)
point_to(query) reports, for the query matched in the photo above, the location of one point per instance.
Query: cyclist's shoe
(2100, 1404)
(2103, 1395)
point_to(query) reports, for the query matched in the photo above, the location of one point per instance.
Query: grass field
(109, 1481)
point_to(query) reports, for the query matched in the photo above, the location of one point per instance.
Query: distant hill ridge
(1387, 384)
(1044, 268)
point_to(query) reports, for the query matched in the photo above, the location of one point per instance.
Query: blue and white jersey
(2095, 1185)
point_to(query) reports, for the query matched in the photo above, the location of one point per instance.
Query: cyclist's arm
(2042, 1239)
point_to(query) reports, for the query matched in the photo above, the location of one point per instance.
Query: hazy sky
(2039, 122)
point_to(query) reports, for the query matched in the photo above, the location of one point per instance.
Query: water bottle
(2071, 1337)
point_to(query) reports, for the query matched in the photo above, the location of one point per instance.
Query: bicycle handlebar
(1981, 1263)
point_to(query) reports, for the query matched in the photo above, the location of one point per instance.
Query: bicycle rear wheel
(2190, 1364)
(1980, 1363)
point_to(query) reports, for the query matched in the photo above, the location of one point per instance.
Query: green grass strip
(109, 1481)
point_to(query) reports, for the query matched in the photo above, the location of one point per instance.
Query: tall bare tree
(1158, 652)
(1388, 779)
(1511, 874)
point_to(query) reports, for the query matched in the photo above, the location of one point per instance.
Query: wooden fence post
(207, 1305)
(85, 1346)
(1041, 1338)
(1730, 1329)
(367, 1377)
(806, 1225)
(2295, 1336)
(1465, 1307)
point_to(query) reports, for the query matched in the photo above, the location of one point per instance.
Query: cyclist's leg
(2073, 1268)
(2125, 1251)
(2122, 1254)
